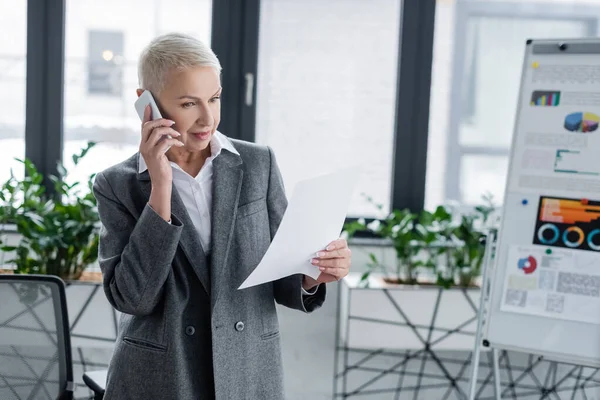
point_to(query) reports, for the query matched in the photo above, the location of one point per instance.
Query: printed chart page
(558, 140)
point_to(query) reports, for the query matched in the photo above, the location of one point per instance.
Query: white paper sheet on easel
(314, 218)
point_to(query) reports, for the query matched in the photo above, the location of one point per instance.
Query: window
(105, 58)
(103, 43)
(13, 24)
(477, 62)
(327, 90)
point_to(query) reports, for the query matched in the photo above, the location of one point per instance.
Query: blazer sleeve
(288, 290)
(135, 256)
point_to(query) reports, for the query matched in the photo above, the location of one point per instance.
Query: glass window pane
(326, 90)
(491, 54)
(13, 24)
(103, 42)
(491, 88)
(482, 174)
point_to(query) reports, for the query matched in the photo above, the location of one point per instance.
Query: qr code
(547, 279)
(516, 298)
(555, 303)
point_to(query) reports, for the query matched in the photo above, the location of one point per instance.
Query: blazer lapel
(189, 240)
(227, 184)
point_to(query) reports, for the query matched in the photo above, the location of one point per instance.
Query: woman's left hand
(334, 263)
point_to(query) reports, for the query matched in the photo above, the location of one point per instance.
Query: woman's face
(191, 98)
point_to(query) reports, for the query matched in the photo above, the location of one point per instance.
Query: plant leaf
(365, 276)
(373, 258)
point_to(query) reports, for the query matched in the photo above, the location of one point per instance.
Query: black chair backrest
(35, 344)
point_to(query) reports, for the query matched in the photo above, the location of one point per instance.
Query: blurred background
(322, 79)
(420, 93)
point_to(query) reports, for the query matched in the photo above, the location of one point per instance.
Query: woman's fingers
(163, 146)
(337, 244)
(149, 126)
(336, 273)
(334, 261)
(147, 114)
(331, 262)
(338, 253)
(159, 137)
(161, 133)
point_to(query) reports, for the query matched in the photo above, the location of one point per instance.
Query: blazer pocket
(270, 335)
(144, 344)
(268, 312)
(253, 207)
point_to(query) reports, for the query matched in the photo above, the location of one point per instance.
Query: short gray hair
(172, 50)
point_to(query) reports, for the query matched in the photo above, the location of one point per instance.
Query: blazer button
(239, 326)
(190, 330)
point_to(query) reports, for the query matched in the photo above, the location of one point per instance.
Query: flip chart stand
(490, 248)
(555, 384)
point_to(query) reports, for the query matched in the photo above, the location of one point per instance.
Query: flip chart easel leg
(496, 366)
(489, 245)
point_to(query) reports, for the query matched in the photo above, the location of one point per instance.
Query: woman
(184, 222)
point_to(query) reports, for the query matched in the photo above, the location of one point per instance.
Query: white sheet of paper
(314, 218)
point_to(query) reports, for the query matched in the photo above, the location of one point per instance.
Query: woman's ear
(139, 92)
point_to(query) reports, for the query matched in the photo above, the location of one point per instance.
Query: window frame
(472, 9)
(234, 39)
(411, 128)
(44, 107)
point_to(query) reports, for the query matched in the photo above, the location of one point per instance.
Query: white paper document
(554, 283)
(314, 218)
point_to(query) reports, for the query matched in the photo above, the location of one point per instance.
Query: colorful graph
(545, 98)
(528, 265)
(582, 122)
(568, 223)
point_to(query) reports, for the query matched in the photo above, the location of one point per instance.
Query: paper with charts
(314, 217)
(553, 282)
(557, 142)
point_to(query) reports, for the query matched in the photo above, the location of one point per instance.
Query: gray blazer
(186, 332)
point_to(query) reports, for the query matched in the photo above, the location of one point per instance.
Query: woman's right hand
(153, 146)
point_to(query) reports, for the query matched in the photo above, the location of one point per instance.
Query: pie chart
(582, 122)
(528, 265)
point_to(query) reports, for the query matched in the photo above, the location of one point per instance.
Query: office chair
(96, 380)
(35, 343)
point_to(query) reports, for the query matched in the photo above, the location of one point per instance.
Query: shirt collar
(217, 143)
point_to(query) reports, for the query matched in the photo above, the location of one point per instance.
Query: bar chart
(545, 98)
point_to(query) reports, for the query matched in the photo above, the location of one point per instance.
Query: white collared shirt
(196, 192)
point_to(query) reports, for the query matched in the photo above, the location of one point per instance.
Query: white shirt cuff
(312, 291)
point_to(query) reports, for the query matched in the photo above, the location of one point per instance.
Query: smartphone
(141, 103)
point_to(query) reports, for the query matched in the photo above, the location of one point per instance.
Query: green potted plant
(437, 228)
(444, 242)
(468, 258)
(399, 228)
(58, 232)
